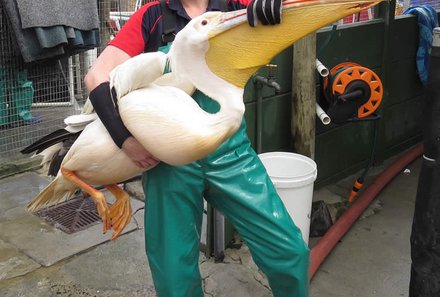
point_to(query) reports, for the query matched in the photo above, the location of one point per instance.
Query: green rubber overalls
(234, 181)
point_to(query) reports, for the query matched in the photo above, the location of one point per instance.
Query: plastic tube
(436, 37)
(326, 244)
(320, 113)
(322, 70)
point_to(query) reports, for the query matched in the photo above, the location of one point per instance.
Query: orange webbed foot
(119, 214)
(96, 195)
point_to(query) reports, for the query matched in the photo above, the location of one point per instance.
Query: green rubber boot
(21, 100)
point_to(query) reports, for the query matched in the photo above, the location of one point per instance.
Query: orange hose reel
(352, 82)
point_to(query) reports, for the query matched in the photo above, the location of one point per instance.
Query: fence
(35, 97)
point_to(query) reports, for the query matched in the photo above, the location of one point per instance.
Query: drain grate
(77, 214)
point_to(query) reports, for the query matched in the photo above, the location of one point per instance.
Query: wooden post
(304, 96)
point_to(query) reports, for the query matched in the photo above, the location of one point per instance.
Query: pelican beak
(237, 50)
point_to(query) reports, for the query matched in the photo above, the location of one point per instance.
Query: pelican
(158, 110)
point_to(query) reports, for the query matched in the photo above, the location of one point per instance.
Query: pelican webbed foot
(96, 195)
(120, 212)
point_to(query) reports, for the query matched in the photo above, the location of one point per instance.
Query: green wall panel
(403, 82)
(401, 122)
(404, 38)
(362, 44)
(343, 149)
(276, 123)
(251, 120)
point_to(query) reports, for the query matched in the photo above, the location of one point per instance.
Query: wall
(345, 149)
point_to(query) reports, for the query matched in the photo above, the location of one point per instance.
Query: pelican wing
(137, 72)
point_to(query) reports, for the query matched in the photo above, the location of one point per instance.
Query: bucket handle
(315, 175)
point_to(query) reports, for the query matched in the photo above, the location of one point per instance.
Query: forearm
(106, 62)
(103, 103)
(105, 108)
(97, 83)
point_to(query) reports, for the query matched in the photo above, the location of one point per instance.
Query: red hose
(325, 245)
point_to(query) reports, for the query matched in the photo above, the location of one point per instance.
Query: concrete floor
(373, 259)
(38, 260)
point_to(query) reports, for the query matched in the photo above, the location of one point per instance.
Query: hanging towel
(41, 43)
(79, 14)
(427, 20)
(70, 38)
(25, 39)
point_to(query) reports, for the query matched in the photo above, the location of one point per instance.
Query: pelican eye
(204, 22)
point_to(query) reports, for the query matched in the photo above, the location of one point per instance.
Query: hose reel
(352, 92)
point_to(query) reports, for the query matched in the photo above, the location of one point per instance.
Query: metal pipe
(78, 76)
(71, 80)
(270, 82)
(260, 82)
(219, 235)
(52, 104)
(259, 94)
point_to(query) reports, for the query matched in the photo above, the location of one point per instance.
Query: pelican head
(187, 54)
(233, 50)
(187, 59)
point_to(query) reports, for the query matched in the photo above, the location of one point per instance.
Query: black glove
(102, 102)
(265, 11)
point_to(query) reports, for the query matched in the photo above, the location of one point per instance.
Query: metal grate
(72, 216)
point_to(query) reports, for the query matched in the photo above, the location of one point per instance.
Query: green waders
(234, 181)
(21, 100)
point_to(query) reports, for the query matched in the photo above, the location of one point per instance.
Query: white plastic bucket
(293, 176)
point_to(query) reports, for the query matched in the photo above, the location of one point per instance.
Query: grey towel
(70, 38)
(26, 39)
(79, 14)
(39, 43)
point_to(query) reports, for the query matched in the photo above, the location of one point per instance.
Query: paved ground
(39, 260)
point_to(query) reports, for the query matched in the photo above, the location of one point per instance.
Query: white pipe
(322, 70)
(77, 74)
(52, 104)
(370, 13)
(436, 37)
(320, 113)
(71, 81)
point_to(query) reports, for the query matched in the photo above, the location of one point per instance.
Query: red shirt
(143, 31)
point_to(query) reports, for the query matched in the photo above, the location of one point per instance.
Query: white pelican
(215, 53)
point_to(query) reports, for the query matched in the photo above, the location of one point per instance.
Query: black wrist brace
(102, 102)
